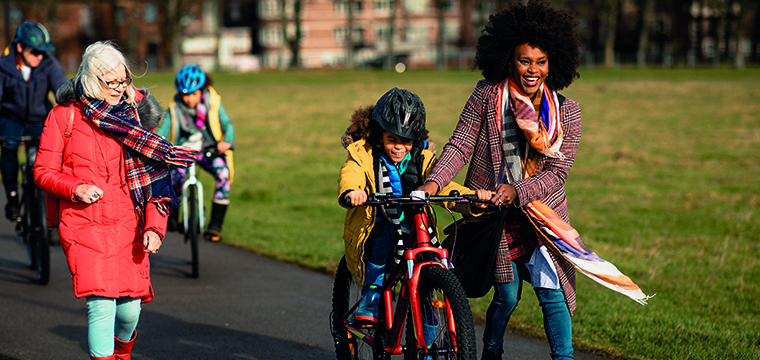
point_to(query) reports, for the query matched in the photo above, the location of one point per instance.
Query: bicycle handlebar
(416, 198)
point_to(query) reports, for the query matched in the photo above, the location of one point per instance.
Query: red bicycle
(417, 296)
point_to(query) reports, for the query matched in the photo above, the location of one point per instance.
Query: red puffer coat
(103, 247)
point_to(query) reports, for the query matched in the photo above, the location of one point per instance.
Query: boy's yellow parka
(358, 174)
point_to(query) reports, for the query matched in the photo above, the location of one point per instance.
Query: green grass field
(666, 185)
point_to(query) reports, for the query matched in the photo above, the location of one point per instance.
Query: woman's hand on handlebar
(504, 195)
(430, 188)
(357, 197)
(482, 195)
(88, 194)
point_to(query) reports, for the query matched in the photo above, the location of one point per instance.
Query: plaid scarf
(544, 135)
(146, 155)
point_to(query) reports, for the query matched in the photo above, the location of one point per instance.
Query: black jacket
(28, 102)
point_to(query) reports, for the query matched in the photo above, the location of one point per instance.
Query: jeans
(109, 317)
(557, 322)
(9, 155)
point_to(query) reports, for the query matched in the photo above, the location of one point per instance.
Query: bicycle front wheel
(444, 303)
(346, 293)
(191, 230)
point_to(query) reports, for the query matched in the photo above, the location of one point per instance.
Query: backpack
(52, 203)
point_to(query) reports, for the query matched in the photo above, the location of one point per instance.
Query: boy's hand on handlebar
(357, 197)
(430, 188)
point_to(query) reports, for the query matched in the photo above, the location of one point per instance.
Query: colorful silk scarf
(543, 133)
(146, 155)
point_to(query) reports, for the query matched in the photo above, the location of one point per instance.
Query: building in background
(251, 35)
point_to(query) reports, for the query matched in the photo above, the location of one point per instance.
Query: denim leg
(9, 157)
(556, 322)
(505, 299)
(9, 170)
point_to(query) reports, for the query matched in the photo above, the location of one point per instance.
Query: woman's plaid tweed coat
(478, 138)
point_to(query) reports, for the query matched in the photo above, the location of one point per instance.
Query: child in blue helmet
(196, 119)
(388, 152)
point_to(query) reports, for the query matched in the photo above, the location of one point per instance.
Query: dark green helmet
(401, 112)
(33, 35)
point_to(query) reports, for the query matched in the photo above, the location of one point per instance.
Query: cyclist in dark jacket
(27, 74)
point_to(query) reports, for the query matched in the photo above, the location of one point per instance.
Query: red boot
(121, 349)
(109, 357)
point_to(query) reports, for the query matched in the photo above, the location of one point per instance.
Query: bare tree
(292, 40)
(647, 14)
(349, 41)
(613, 7)
(440, 10)
(172, 12)
(390, 58)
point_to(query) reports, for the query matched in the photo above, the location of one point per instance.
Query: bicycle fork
(191, 179)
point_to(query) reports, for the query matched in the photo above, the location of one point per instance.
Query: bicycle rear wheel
(39, 236)
(191, 231)
(439, 291)
(346, 293)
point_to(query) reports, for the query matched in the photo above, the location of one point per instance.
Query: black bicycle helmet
(33, 35)
(400, 112)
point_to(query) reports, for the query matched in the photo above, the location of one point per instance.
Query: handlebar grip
(472, 197)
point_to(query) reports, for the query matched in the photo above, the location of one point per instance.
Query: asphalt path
(243, 306)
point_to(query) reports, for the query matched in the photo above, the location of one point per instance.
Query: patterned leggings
(216, 165)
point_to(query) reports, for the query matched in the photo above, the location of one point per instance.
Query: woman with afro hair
(521, 137)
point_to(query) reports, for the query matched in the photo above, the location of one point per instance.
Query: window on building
(341, 7)
(416, 7)
(150, 14)
(339, 33)
(271, 36)
(120, 15)
(381, 6)
(270, 9)
(381, 32)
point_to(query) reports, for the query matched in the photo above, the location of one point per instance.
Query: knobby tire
(345, 294)
(437, 283)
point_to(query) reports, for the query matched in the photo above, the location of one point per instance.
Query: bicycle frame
(408, 276)
(192, 179)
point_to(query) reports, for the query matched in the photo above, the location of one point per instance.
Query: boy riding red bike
(388, 153)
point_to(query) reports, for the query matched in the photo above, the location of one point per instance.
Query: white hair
(99, 59)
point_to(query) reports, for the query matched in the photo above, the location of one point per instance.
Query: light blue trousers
(109, 317)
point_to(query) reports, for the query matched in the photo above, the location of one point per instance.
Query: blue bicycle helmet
(33, 35)
(189, 78)
(401, 112)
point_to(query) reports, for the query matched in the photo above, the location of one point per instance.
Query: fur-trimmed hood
(148, 108)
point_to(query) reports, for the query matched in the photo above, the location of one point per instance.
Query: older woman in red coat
(111, 176)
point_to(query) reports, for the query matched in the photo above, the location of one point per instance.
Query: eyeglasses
(113, 84)
(36, 52)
